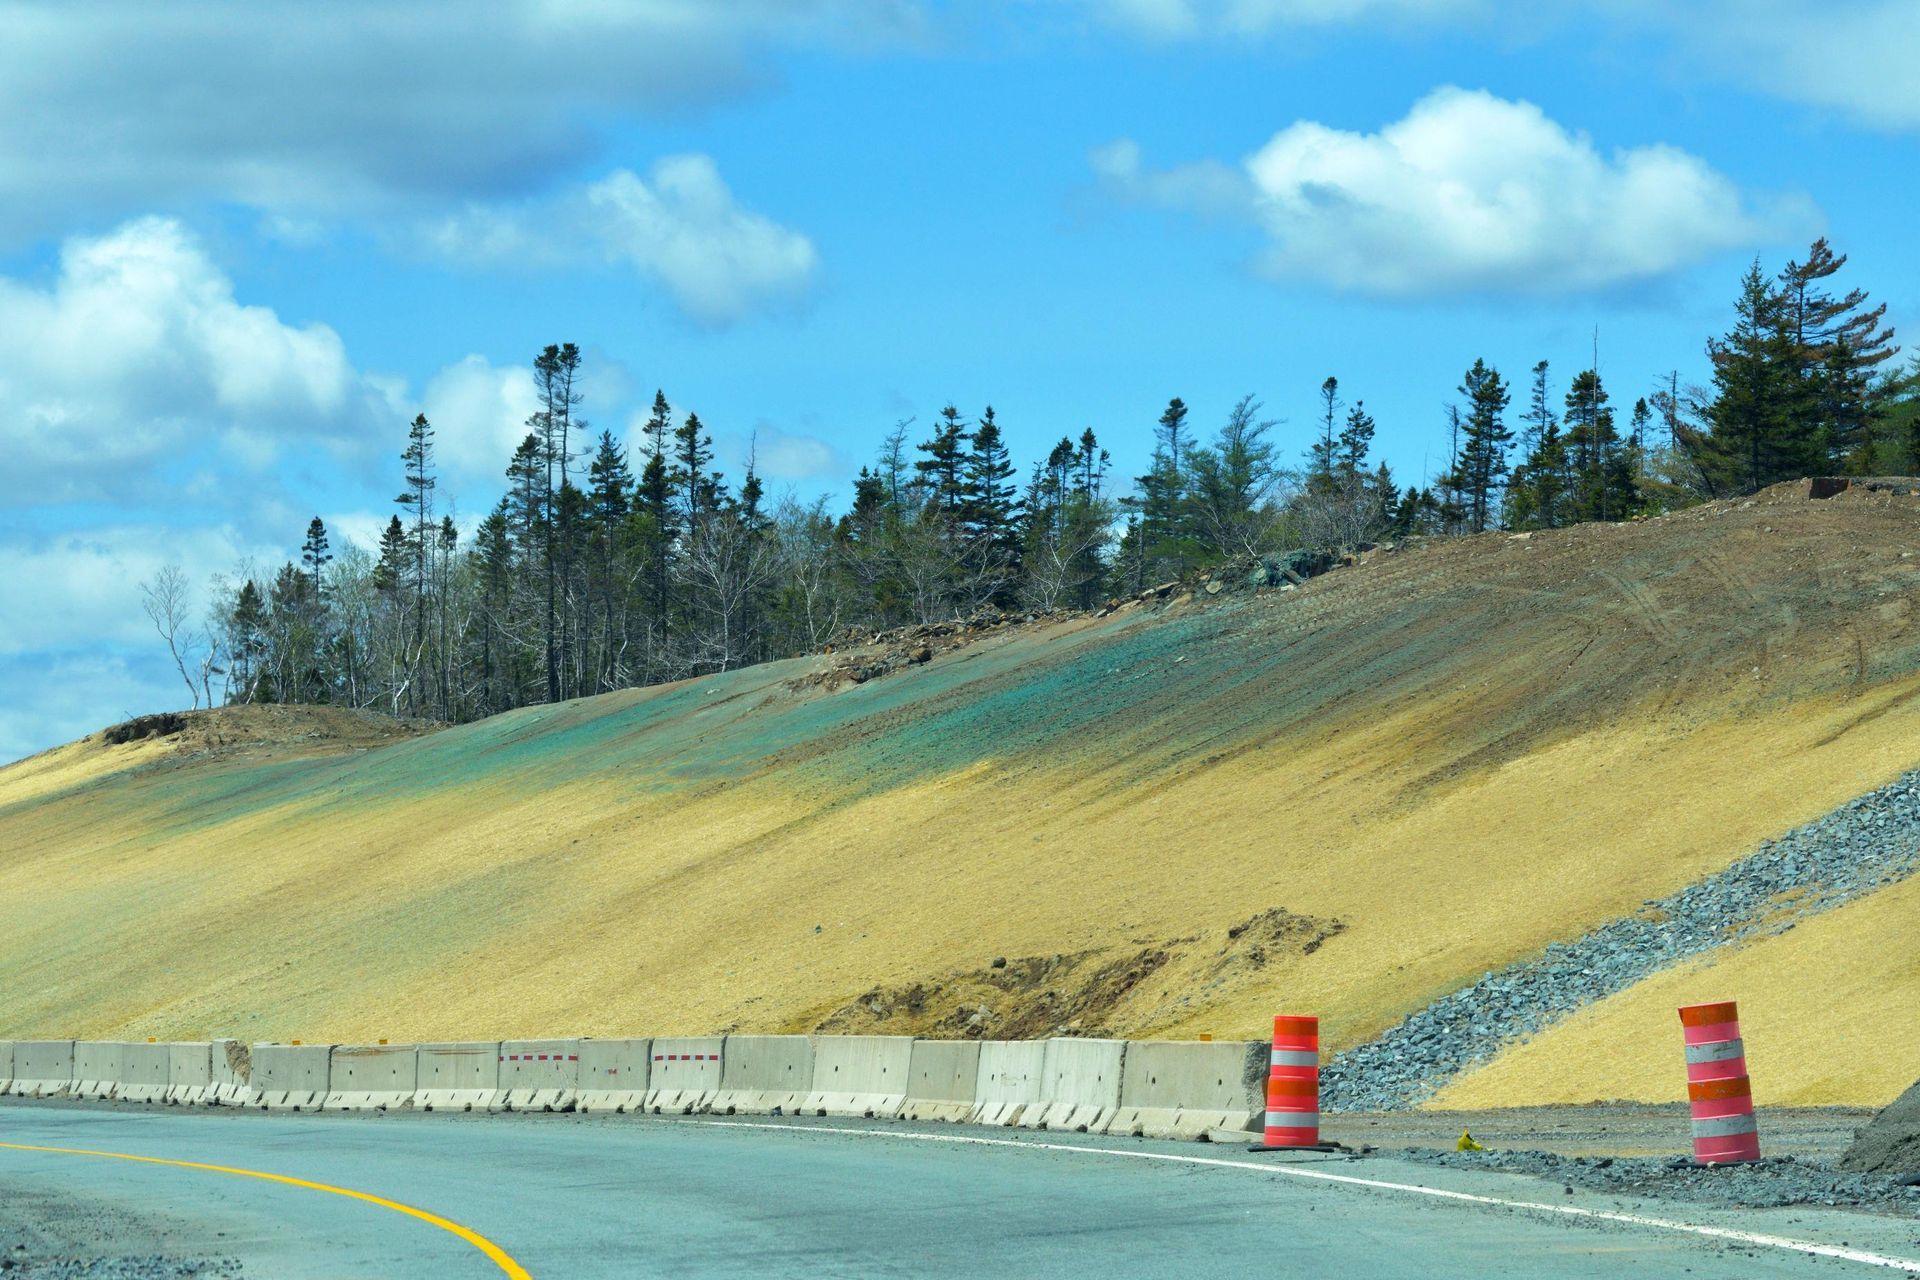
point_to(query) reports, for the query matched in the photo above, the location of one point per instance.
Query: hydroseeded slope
(1406, 773)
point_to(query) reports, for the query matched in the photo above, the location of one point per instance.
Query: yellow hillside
(1348, 798)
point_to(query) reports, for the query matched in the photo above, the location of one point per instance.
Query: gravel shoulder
(46, 1234)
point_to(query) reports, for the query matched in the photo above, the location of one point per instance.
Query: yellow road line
(493, 1251)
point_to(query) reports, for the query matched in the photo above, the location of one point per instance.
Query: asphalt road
(564, 1196)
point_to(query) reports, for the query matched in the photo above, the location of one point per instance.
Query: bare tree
(167, 600)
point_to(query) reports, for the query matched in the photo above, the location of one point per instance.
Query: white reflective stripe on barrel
(1293, 1119)
(1724, 1127)
(1717, 1051)
(1295, 1058)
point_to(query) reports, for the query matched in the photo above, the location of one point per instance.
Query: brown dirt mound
(1086, 993)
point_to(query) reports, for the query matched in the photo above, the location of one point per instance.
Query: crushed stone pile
(1890, 1142)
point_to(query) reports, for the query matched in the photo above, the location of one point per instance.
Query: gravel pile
(1767, 1184)
(1870, 842)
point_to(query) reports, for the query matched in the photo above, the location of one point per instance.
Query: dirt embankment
(1460, 751)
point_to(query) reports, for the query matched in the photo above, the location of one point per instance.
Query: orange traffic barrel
(1718, 1091)
(1293, 1083)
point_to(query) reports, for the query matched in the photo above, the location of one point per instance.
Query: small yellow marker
(1467, 1143)
(1207, 1036)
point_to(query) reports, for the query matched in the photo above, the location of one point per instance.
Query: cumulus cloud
(355, 105)
(680, 226)
(794, 457)
(138, 349)
(1182, 18)
(479, 412)
(1469, 192)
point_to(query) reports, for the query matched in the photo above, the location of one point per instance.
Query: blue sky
(241, 245)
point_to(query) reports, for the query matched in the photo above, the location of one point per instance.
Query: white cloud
(1469, 192)
(1857, 57)
(355, 106)
(81, 590)
(780, 455)
(1187, 18)
(139, 350)
(479, 412)
(681, 226)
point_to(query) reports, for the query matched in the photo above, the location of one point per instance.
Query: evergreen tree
(1323, 456)
(696, 487)
(1754, 436)
(987, 492)
(1355, 441)
(314, 553)
(392, 567)
(942, 473)
(1481, 470)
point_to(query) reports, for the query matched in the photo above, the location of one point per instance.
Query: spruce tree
(941, 474)
(314, 554)
(987, 491)
(1481, 468)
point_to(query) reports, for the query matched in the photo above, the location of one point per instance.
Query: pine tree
(1753, 436)
(418, 497)
(987, 492)
(1483, 443)
(695, 486)
(1171, 436)
(1323, 456)
(1840, 345)
(1602, 466)
(391, 569)
(314, 554)
(1355, 441)
(941, 474)
(653, 536)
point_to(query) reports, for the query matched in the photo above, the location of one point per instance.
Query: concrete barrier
(1080, 1086)
(1011, 1078)
(685, 1074)
(942, 1077)
(96, 1068)
(537, 1075)
(1187, 1088)
(189, 1072)
(290, 1077)
(144, 1072)
(859, 1076)
(42, 1069)
(613, 1075)
(6, 1067)
(763, 1075)
(371, 1077)
(457, 1076)
(231, 1067)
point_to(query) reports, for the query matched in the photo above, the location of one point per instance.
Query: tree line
(589, 576)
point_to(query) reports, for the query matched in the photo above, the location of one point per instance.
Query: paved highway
(576, 1197)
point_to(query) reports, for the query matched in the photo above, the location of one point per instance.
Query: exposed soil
(263, 729)
(1087, 993)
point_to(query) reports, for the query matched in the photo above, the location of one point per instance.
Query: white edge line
(1907, 1265)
